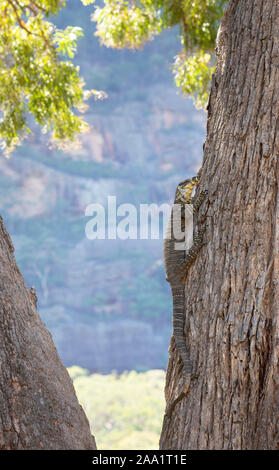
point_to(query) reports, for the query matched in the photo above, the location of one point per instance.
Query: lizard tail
(178, 330)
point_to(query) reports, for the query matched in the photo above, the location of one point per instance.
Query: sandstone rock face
(98, 295)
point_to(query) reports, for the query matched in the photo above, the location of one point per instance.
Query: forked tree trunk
(38, 405)
(232, 291)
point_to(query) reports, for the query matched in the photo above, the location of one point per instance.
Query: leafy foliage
(147, 298)
(124, 411)
(34, 77)
(122, 23)
(38, 77)
(193, 75)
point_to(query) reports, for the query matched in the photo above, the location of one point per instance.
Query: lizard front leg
(182, 266)
(197, 201)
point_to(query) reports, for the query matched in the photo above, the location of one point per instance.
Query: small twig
(23, 26)
(38, 6)
(19, 20)
(184, 29)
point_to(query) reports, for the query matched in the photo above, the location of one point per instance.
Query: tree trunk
(232, 291)
(38, 405)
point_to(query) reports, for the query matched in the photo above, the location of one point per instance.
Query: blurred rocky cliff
(106, 302)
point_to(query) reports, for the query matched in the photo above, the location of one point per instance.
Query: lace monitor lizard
(177, 264)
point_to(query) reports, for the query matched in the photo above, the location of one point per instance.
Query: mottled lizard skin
(177, 263)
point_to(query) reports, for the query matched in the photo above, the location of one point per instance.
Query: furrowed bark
(38, 405)
(232, 291)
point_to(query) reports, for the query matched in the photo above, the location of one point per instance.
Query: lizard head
(184, 190)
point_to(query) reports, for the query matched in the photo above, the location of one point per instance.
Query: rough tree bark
(38, 405)
(232, 291)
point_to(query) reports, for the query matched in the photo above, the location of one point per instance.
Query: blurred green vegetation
(123, 74)
(147, 298)
(123, 24)
(48, 58)
(125, 411)
(37, 76)
(71, 276)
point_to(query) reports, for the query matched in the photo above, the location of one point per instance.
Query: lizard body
(177, 263)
